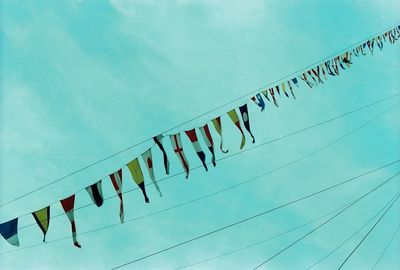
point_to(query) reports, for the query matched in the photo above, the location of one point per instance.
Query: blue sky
(81, 80)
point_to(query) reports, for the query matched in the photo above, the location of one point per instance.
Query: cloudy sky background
(81, 80)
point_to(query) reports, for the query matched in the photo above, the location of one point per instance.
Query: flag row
(311, 77)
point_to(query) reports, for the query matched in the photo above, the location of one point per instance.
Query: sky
(81, 80)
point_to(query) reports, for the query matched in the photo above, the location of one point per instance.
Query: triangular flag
(295, 81)
(137, 175)
(246, 121)
(271, 91)
(235, 119)
(148, 160)
(317, 72)
(291, 89)
(178, 149)
(218, 127)
(158, 141)
(96, 193)
(196, 145)
(68, 206)
(116, 179)
(284, 89)
(205, 132)
(259, 101)
(9, 230)
(304, 78)
(265, 93)
(42, 218)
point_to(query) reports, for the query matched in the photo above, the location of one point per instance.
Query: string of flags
(312, 78)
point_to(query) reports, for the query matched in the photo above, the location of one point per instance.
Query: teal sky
(81, 80)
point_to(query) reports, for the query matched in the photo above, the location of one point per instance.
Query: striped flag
(246, 121)
(235, 119)
(196, 145)
(148, 160)
(158, 141)
(178, 149)
(96, 193)
(218, 127)
(137, 175)
(205, 132)
(68, 206)
(9, 230)
(42, 218)
(259, 101)
(116, 180)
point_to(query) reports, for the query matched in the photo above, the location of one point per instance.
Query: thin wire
(349, 238)
(240, 152)
(182, 204)
(278, 235)
(386, 248)
(191, 120)
(253, 217)
(324, 223)
(366, 235)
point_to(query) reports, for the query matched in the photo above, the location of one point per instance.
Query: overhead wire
(256, 216)
(279, 235)
(386, 247)
(347, 239)
(324, 223)
(246, 150)
(227, 188)
(367, 234)
(192, 119)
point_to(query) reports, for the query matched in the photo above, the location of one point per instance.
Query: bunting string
(311, 76)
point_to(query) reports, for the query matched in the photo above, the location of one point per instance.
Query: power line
(367, 234)
(256, 216)
(279, 235)
(350, 237)
(324, 223)
(193, 119)
(386, 247)
(250, 149)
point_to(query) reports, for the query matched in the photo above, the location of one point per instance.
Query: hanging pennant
(195, 142)
(277, 90)
(68, 206)
(246, 121)
(265, 93)
(96, 193)
(9, 230)
(178, 149)
(291, 89)
(137, 175)
(148, 160)
(271, 91)
(42, 218)
(218, 127)
(317, 74)
(295, 81)
(259, 101)
(304, 78)
(284, 89)
(370, 44)
(346, 58)
(116, 180)
(379, 42)
(312, 77)
(323, 71)
(205, 132)
(158, 141)
(329, 68)
(235, 119)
